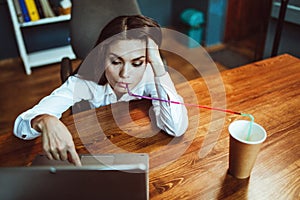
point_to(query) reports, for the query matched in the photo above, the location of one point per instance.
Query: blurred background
(234, 33)
(230, 27)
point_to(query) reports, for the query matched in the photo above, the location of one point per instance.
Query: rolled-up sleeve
(72, 91)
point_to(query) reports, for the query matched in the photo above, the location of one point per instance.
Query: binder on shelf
(48, 12)
(32, 10)
(18, 11)
(24, 11)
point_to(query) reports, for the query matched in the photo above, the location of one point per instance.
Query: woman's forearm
(38, 122)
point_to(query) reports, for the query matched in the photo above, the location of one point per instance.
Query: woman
(125, 55)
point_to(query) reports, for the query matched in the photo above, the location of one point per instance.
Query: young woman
(125, 55)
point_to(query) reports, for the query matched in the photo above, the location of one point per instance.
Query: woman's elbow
(178, 130)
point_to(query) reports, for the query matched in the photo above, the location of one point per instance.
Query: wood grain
(268, 89)
(22, 92)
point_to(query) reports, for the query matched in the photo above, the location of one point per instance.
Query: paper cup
(243, 152)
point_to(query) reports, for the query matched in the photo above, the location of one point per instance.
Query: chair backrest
(88, 17)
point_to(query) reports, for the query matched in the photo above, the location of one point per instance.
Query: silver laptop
(108, 176)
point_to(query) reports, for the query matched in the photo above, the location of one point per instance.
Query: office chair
(88, 18)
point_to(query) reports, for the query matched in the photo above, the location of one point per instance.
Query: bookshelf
(42, 57)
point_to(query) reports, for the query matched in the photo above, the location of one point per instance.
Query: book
(48, 12)
(18, 11)
(39, 8)
(24, 11)
(32, 10)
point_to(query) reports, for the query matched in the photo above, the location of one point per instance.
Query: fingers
(154, 58)
(69, 153)
(46, 147)
(66, 153)
(152, 44)
(55, 154)
(57, 140)
(153, 51)
(60, 151)
(53, 150)
(59, 154)
(63, 154)
(74, 158)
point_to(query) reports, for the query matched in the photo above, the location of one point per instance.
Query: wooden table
(269, 90)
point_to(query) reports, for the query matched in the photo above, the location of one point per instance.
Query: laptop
(105, 176)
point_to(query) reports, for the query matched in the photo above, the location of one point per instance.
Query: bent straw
(199, 106)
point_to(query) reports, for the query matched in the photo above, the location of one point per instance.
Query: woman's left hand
(154, 58)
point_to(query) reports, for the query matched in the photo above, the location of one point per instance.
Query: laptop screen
(117, 180)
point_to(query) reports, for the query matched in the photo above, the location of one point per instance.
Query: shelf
(49, 20)
(38, 58)
(49, 56)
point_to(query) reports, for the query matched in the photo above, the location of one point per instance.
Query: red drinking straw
(199, 106)
(186, 104)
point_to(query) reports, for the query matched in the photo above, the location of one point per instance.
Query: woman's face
(125, 64)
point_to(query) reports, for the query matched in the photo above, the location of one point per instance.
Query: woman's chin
(120, 90)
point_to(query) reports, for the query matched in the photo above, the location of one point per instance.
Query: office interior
(234, 33)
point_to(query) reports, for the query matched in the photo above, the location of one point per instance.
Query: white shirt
(172, 118)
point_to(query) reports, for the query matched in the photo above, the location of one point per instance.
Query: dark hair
(123, 28)
(140, 25)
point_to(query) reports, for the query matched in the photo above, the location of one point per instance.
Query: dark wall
(7, 36)
(159, 10)
(289, 41)
(166, 12)
(47, 36)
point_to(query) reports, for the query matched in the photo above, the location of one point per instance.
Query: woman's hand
(57, 140)
(154, 59)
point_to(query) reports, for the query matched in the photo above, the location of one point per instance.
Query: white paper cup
(243, 152)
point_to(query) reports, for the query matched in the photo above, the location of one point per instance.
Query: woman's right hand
(57, 140)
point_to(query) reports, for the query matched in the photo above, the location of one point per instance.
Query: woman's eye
(114, 62)
(137, 64)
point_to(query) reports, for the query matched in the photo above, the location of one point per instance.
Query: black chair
(88, 18)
